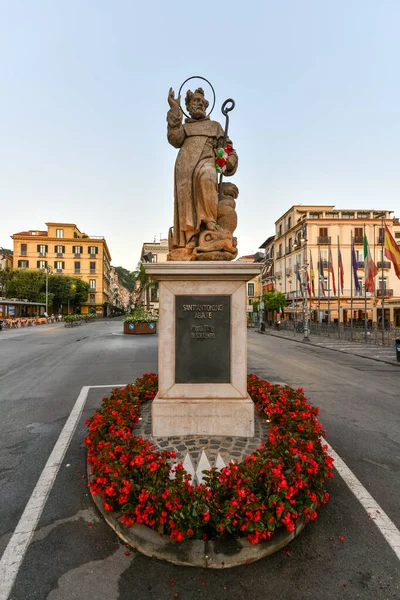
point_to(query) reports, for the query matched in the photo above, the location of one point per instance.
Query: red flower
(153, 466)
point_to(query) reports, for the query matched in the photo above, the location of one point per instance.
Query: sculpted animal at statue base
(217, 244)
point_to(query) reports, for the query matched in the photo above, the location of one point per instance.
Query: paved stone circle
(199, 452)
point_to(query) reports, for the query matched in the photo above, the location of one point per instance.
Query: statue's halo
(204, 79)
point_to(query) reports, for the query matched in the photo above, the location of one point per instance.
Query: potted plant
(139, 322)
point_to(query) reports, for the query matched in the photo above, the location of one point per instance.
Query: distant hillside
(126, 278)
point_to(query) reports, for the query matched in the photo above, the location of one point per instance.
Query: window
(323, 232)
(41, 264)
(154, 258)
(324, 255)
(153, 294)
(250, 289)
(93, 267)
(59, 265)
(280, 251)
(42, 249)
(363, 215)
(59, 250)
(77, 250)
(360, 291)
(92, 298)
(289, 223)
(92, 284)
(290, 245)
(315, 215)
(23, 264)
(280, 229)
(348, 215)
(381, 234)
(77, 267)
(250, 301)
(93, 250)
(59, 233)
(382, 283)
(24, 249)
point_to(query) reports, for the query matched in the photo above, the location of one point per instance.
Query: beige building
(6, 259)
(315, 233)
(151, 252)
(63, 249)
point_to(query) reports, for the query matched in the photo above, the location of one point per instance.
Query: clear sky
(83, 102)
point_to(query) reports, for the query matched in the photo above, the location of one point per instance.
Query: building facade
(302, 261)
(156, 252)
(63, 249)
(120, 296)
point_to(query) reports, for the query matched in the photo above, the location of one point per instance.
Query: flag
(299, 279)
(354, 262)
(308, 284)
(370, 269)
(312, 275)
(341, 270)
(321, 275)
(392, 251)
(332, 271)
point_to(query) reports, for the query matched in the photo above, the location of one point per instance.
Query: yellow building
(64, 249)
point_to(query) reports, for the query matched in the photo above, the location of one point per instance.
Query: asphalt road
(73, 553)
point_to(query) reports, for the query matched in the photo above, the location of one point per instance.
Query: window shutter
(63, 264)
(27, 264)
(55, 249)
(97, 250)
(19, 264)
(38, 248)
(81, 249)
(47, 248)
(38, 264)
(55, 264)
(63, 249)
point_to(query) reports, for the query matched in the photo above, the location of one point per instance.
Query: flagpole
(338, 311)
(351, 287)
(319, 285)
(310, 288)
(365, 294)
(329, 286)
(382, 282)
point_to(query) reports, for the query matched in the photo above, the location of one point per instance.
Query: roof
(267, 241)
(38, 234)
(22, 302)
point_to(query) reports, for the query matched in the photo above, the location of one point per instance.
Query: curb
(210, 554)
(283, 337)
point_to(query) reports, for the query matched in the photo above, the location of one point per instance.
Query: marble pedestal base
(202, 353)
(227, 416)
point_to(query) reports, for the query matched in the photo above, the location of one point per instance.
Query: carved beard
(197, 113)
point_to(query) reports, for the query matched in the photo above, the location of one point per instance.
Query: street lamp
(47, 269)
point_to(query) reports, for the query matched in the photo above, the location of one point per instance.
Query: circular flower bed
(274, 486)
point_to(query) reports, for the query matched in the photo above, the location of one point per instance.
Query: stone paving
(199, 452)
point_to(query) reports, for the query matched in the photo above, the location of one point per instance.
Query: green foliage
(26, 284)
(81, 290)
(140, 315)
(61, 287)
(256, 305)
(274, 300)
(126, 278)
(5, 277)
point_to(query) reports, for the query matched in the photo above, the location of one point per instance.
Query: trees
(24, 284)
(126, 278)
(274, 301)
(68, 290)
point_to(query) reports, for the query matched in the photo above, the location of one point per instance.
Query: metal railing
(383, 264)
(356, 332)
(324, 239)
(386, 293)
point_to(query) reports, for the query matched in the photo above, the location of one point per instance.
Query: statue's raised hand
(172, 101)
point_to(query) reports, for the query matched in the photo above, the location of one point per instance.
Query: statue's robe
(196, 179)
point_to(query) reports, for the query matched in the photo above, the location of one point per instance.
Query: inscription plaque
(202, 339)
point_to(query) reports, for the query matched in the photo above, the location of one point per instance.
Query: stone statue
(203, 222)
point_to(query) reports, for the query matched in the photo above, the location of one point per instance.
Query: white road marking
(385, 525)
(17, 546)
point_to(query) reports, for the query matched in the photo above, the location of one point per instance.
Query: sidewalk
(373, 351)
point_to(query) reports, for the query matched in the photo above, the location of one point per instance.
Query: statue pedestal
(202, 354)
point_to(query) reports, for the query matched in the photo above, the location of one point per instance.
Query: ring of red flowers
(280, 486)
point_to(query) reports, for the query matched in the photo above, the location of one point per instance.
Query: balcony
(77, 271)
(380, 240)
(358, 239)
(324, 240)
(92, 290)
(77, 255)
(289, 249)
(42, 253)
(323, 263)
(59, 270)
(386, 293)
(92, 255)
(60, 254)
(288, 270)
(24, 253)
(360, 264)
(383, 264)
(92, 271)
